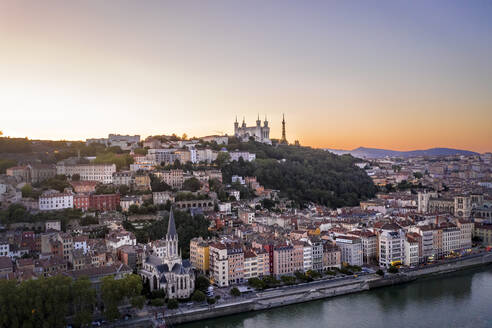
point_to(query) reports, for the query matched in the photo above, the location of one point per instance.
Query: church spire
(171, 226)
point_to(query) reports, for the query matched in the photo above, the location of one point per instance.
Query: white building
(88, 172)
(411, 249)
(159, 248)
(426, 233)
(451, 237)
(80, 243)
(4, 248)
(307, 257)
(466, 230)
(120, 238)
(174, 178)
(250, 265)
(219, 264)
(55, 201)
(127, 201)
(52, 225)
(225, 207)
(391, 244)
(238, 179)
(351, 249)
(123, 178)
(125, 142)
(205, 155)
(246, 156)
(144, 165)
(162, 155)
(162, 197)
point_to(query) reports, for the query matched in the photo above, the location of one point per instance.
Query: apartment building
(55, 201)
(200, 254)
(235, 258)
(282, 260)
(317, 246)
(369, 244)
(332, 256)
(250, 265)
(174, 178)
(484, 232)
(350, 249)
(412, 249)
(307, 257)
(219, 265)
(246, 217)
(466, 231)
(391, 244)
(123, 178)
(451, 237)
(263, 259)
(90, 172)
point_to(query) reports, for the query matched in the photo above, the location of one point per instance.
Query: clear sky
(389, 74)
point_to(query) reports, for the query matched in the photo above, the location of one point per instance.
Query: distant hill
(363, 152)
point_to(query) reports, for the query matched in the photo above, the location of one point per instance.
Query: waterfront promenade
(300, 293)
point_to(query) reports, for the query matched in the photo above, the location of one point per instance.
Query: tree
(157, 302)
(84, 297)
(192, 184)
(380, 272)
(26, 190)
(288, 280)
(76, 177)
(393, 269)
(113, 292)
(140, 151)
(138, 301)
(202, 283)
(211, 300)
(198, 296)
(418, 175)
(111, 296)
(172, 303)
(5, 164)
(313, 274)
(222, 159)
(235, 292)
(157, 185)
(256, 283)
(58, 182)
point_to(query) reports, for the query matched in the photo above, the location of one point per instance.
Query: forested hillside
(303, 174)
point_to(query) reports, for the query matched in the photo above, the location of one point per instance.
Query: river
(462, 299)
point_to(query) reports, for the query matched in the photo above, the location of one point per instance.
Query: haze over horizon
(391, 75)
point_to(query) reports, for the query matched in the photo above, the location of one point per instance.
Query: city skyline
(395, 76)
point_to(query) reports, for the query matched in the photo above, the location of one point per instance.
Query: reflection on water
(462, 299)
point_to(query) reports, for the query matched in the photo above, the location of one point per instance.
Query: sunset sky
(389, 74)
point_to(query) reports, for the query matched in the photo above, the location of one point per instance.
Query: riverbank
(316, 290)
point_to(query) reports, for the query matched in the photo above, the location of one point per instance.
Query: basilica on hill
(169, 271)
(259, 133)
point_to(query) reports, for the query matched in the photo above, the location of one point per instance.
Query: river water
(462, 299)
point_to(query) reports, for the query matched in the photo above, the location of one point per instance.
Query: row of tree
(18, 213)
(49, 302)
